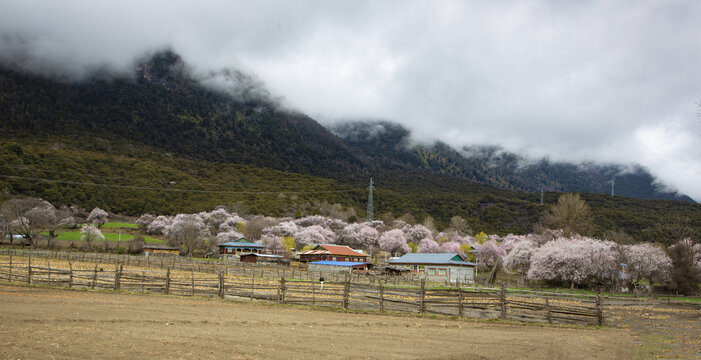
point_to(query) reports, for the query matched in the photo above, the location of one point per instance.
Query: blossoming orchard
(544, 258)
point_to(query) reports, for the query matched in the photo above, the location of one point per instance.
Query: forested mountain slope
(160, 141)
(390, 145)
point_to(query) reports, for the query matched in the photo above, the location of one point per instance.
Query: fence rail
(379, 295)
(214, 266)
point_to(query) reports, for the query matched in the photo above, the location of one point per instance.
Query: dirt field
(661, 332)
(42, 323)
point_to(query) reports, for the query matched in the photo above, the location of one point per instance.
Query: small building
(396, 270)
(239, 247)
(263, 258)
(328, 252)
(449, 267)
(159, 250)
(335, 266)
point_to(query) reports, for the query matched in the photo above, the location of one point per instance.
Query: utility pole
(370, 213)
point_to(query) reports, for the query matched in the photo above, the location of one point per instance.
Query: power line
(18, 167)
(134, 187)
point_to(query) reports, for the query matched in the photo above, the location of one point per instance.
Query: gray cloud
(612, 81)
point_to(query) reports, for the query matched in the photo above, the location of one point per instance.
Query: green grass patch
(120, 225)
(75, 236)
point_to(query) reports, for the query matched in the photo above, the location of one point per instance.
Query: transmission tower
(370, 213)
(613, 183)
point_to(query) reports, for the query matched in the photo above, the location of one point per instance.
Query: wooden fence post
(253, 283)
(422, 308)
(599, 310)
(313, 294)
(48, 273)
(502, 301)
(281, 291)
(70, 274)
(192, 279)
(221, 285)
(166, 288)
(94, 277)
(143, 277)
(346, 291)
(460, 306)
(547, 308)
(382, 297)
(9, 274)
(117, 275)
(29, 269)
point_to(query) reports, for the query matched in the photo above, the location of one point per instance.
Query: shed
(239, 247)
(450, 267)
(159, 250)
(336, 266)
(255, 258)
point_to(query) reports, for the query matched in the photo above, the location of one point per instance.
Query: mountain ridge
(165, 106)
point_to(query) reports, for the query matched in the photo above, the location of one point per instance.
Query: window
(431, 271)
(442, 272)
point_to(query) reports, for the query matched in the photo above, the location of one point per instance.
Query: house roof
(338, 263)
(263, 255)
(241, 243)
(328, 249)
(432, 258)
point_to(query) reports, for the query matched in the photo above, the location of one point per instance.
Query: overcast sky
(607, 81)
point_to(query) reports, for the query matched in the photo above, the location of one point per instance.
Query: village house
(260, 258)
(449, 267)
(236, 248)
(327, 252)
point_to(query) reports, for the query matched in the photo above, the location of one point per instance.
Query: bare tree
(684, 239)
(571, 214)
(460, 225)
(4, 228)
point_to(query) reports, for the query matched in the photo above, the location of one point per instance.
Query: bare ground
(661, 331)
(43, 323)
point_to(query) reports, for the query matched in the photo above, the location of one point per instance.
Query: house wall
(331, 257)
(328, 268)
(464, 274)
(234, 251)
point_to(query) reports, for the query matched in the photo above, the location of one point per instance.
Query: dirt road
(41, 323)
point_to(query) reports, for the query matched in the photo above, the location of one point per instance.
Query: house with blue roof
(451, 267)
(239, 247)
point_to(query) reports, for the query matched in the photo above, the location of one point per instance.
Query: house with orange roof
(329, 252)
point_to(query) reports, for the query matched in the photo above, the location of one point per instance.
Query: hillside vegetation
(127, 179)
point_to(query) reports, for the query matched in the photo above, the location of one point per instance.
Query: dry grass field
(47, 323)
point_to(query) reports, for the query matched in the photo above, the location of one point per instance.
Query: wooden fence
(380, 296)
(214, 266)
